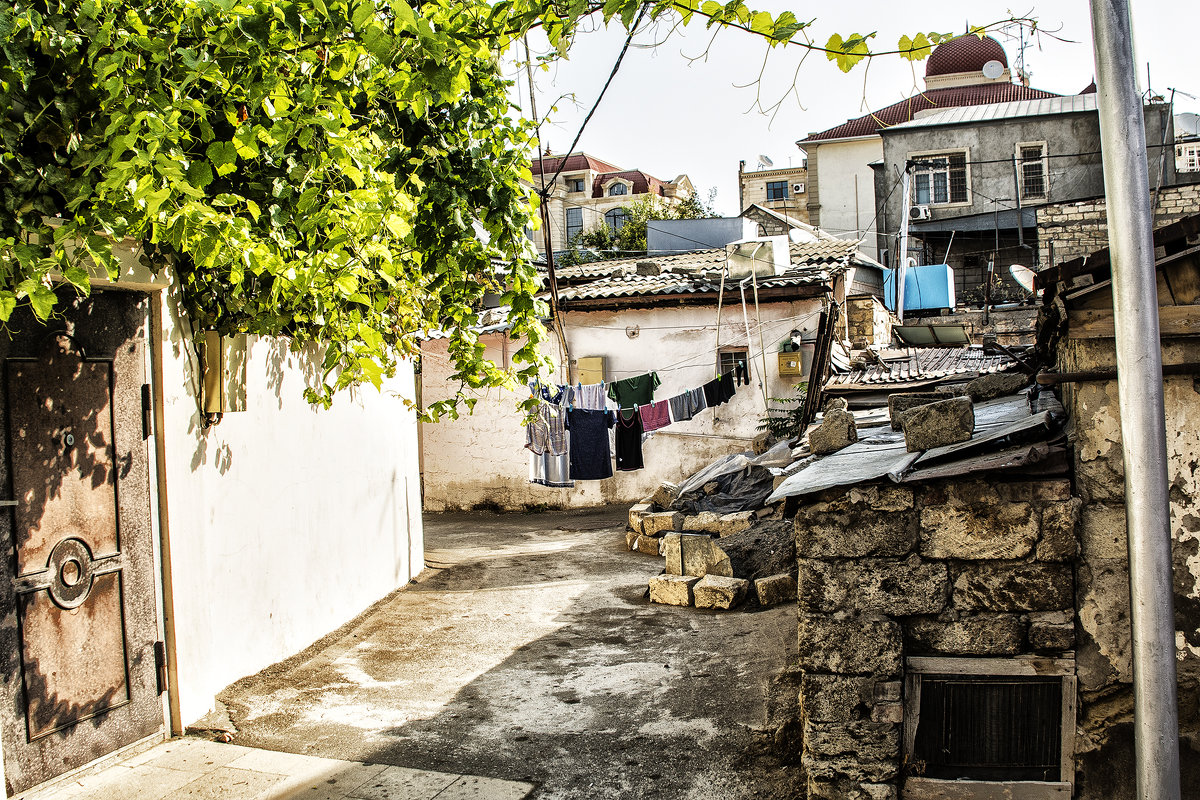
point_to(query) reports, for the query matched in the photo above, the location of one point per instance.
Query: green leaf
(8, 304)
(42, 300)
(223, 156)
(199, 174)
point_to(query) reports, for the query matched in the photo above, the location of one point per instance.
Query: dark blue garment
(590, 459)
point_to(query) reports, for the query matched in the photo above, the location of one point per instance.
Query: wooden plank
(1016, 665)
(932, 789)
(1183, 277)
(1099, 323)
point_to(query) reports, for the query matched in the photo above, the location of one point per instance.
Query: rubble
(716, 591)
(902, 401)
(659, 522)
(998, 384)
(672, 590)
(664, 496)
(837, 430)
(938, 424)
(775, 589)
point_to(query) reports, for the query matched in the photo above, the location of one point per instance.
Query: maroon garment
(655, 416)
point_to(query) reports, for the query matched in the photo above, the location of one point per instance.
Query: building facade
(782, 189)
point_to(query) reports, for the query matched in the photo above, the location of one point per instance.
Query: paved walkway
(204, 770)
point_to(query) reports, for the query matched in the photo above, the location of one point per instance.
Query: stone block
(837, 430)
(855, 533)
(658, 523)
(977, 634)
(717, 591)
(1014, 587)
(896, 588)
(888, 712)
(649, 545)
(705, 521)
(866, 741)
(631, 538)
(997, 384)
(1060, 522)
(636, 512)
(1005, 530)
(695, 554)
(1052, 489)
(845, 778)
(835, 698)
(664, 496)
(775, 589)
(902, 401)
(739, 521)
(672, 590)
(1051, 635)
(882, 498)
(937, 424)
(850, 646)
(887, 690)
(1102, 532)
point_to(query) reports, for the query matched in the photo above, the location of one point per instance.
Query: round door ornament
(71, 573)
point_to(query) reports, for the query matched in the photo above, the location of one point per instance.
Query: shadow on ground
(526, 651)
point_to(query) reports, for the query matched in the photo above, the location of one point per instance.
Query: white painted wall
(480, 459)
(285, 521)
(838, 165)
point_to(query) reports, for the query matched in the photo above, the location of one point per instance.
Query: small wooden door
(77, 593)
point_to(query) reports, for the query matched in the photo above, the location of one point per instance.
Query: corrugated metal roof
(1035, 107)
(630, 284)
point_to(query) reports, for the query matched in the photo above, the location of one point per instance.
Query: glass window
(777, 190)
(617, 189)
(731, 358)
(616, 219)
(940, 179)
(1033, 170)
(574, 223)
(574, 184)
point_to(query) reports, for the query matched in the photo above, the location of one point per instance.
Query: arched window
(616, 219)
(617, 189)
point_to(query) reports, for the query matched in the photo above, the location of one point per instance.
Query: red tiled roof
(1090, 88)
(642, 183)
(949, 97)
(575, 161)
(965, 54)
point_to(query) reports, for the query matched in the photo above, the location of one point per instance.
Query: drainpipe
(1140, 391)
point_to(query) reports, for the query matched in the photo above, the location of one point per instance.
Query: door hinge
(147, 411)
(160, 666)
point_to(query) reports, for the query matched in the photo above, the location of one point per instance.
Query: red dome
(965, 54)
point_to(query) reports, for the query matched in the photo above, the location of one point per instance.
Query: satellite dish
(993, 69)
(765, 161)
(1023, 276)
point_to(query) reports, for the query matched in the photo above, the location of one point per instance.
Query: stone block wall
(952, 568)
(868, 322)
(1104, 663)
(1070, 230)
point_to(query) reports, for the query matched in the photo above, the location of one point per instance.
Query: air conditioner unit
(918, 213)
(797, 188)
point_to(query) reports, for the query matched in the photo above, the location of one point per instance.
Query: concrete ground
(526, 651)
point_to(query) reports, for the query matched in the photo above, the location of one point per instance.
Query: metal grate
(989, 728)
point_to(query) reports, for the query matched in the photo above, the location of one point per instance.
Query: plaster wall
(754, 190)
(846, 188)
(480, 460)
(285, 521)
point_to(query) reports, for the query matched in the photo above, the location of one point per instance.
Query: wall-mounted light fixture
(223, 375)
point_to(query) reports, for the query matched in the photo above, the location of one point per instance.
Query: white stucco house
(626, 318)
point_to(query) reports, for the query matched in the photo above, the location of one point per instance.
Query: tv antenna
(765, 161)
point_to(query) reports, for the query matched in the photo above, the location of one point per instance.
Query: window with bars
(574, 223)
(1031, 164)
(940, 179)
(730, 358)
(777, 190)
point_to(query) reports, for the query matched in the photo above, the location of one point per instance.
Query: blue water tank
(926, 287)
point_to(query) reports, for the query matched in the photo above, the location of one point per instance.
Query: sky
(696, 104)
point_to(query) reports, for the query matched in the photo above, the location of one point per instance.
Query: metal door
(78, 625)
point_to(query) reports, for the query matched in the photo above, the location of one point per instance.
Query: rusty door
(78, 629)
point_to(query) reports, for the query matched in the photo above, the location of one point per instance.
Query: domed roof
(965, 54)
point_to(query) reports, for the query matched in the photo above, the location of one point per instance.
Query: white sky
(666, 115)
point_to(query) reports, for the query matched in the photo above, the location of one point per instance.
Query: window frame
(569, 225)
(615, 222)
(576, 185)
(918, 171)
(776, 186)
(737, 354)
(612, 190)
(1043, 162)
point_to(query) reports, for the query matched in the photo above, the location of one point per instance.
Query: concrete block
(1014, 587)
(977, 634)
(837, 430)
(850, 645)
(664, 496)
(997, 384)
(658, 523)
(672, 590)
(775, 589)
(1003, 530)
(696, 555)
(717, 591)
(937, 424)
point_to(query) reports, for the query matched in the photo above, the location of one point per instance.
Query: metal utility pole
(1140, 390)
